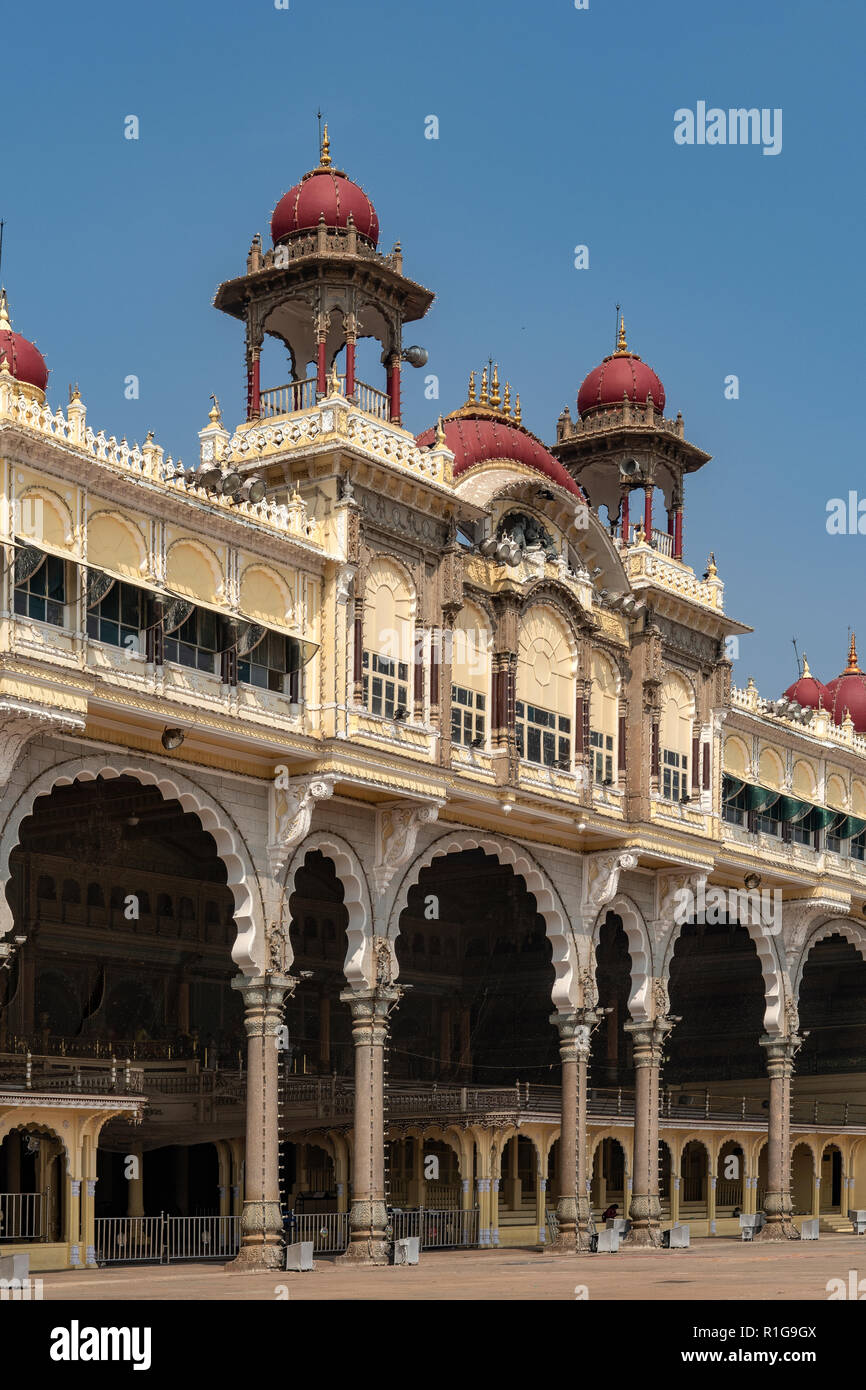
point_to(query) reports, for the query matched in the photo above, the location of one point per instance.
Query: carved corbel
(19, 723)
(601, 880)
(397, 826)
(291, 810)
(672, 892)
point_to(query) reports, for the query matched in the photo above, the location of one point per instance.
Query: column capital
(649, 1039)
(575, 1031)
(781, 1051)
(263, 997)
(372, 1005)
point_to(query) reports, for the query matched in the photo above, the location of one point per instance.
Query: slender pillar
(350, 367)
(368, 1218)
(572, 1208)
(262, 1221)
(816, 1192)
(644, 1208)
(494, 1211)
(394, 387)
(648, 514)
(678, 533)
(711, 1201)
(625, 521)
(72, 1221)
(675, 1198)
(482, 1186)
(321, 370)
(256, 393)
(778, 1206)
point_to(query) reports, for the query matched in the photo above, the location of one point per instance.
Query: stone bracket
(290, 812)
(397, 827)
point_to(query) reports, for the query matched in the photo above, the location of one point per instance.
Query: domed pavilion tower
(21, 358)
(323, 286)
(621, 443)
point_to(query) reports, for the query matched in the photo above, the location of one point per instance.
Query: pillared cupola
(807, 690)
(322, 287)
(622, 443)
(20, 357)
(847, 693)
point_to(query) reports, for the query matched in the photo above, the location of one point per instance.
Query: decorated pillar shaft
(368, 1218)
(394, 387)
(572, 1210)
(645, 1208)
(778, 1204)
(262, 1220)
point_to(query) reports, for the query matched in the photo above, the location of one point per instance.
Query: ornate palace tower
(622, 441)
(322, 287)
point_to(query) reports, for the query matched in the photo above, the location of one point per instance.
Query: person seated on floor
(610, 1213)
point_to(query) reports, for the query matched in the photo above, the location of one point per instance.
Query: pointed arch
(358, 966)
(639, 949)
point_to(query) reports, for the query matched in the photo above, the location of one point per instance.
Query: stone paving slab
(711, 1269)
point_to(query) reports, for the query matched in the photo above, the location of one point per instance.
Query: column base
(644, 1214)
(368, 1237)
(262, 1244)
(777, 1230)
(367, 1252)
(257, 1259)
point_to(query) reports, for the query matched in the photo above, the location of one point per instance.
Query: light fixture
(416, 356)
(752, 881)
(581, 825)
(171, 739)
(597, 571)
(231, 483)
(400, 713)
(252, 490)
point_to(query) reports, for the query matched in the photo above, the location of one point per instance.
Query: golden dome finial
(325, 157)
(484, 387)
(495, 398)
(853, 667)
(517, 410)
(621, 344)
(215, 414)
(711, 566)
(806, 671)
(506, 404)
(441, 441)
(335, 380)
(5, 323)
(470, 399)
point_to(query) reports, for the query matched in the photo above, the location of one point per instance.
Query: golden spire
(711, 566)
(484, 387)
(215, 414)
(517, 410)
(470, 399)
(441, 441)
(806, 671)
(495, 397)
(325, 157)
(335, 377)
(506, 404)
(621, 344)
(5, 325)
(852, 667)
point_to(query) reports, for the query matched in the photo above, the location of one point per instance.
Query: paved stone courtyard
(711, 1269)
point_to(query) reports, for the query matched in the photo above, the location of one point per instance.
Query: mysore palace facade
(379, 826)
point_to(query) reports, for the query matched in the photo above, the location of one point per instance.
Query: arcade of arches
(126, 926)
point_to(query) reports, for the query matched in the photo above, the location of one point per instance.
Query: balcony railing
(301, 395)
(660, 540)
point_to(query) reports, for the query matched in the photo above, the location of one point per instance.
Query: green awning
(759, 798)
(792, 810)
(851, 826)
(825, 819)
(731, 787)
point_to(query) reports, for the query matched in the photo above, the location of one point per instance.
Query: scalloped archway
(358, 965)
(547, 900)
(639, 949)
(853, 932)
(248, 951)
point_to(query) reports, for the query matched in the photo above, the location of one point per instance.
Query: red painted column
(678, 533)
(670, 521)
(394, 388)
(321, 383)
(350, 367)
(625, 522)
(648, 514)
(256, 386)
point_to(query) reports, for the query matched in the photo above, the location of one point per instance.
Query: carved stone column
(572, 1210)
(368, 1218)
(262, 1220)
(645, 1207)
(778, 1205)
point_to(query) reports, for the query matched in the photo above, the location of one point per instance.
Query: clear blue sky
(556, 128)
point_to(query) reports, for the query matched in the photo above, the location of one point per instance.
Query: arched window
(389, 604)
(675, 737)
(470, 676)
(544, 710)
(604, 720)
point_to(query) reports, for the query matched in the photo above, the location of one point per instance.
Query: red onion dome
(23, 358)
(623, 374)
(485, 429)
(848, 692)
(328, 193)
(807, 690)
